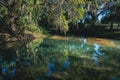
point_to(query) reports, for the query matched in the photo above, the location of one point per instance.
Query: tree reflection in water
(97, 53)
(51, 59)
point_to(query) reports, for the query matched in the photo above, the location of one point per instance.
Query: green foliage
(76, 10)
(24, 20)
(116, 10)
(113, 15)
(33, 28)
(60, 13)
(64, 22)
(51, 14)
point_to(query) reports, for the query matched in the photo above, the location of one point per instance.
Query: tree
(57, 14)
(111, 13)
(14, 9)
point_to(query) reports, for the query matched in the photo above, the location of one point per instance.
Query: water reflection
(114, 78)
(87, 49)
(72, 47)
(54, 68)
(54, 60)
(79, 46)
(97, 54)
(8, 67)
(85, 40)
(118, 46)
(51, 68)
(66, 65)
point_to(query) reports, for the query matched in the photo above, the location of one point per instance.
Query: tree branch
(3, 4)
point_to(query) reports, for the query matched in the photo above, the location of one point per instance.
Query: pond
(61, 59)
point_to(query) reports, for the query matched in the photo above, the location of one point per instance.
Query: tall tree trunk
(12, 24)
(111, 25)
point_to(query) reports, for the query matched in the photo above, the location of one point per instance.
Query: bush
(38, 29)
(33, 28)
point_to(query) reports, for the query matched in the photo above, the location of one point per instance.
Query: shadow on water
(51, 59)
(11, 59)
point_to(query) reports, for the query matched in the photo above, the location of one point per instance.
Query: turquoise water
(55, 59)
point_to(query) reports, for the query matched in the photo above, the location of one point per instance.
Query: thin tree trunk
(12, 24)
(111, 25)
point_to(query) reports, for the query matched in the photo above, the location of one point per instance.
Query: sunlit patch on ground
(65, 38)
(35, 34)
(58, 37)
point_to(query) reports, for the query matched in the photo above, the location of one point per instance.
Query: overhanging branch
(3, 4)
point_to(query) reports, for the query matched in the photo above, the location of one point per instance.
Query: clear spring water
(54, 59)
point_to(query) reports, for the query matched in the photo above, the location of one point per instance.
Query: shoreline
(27, 36)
